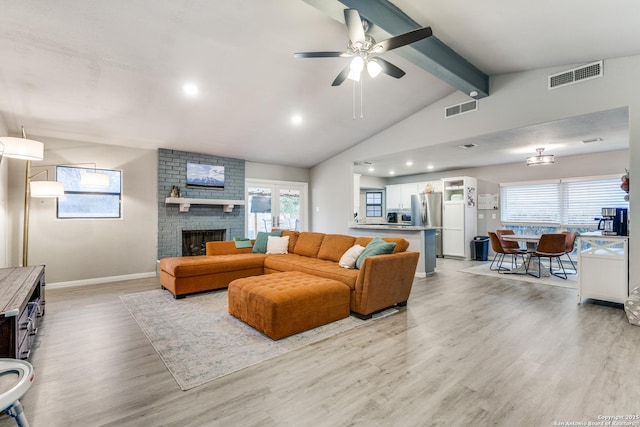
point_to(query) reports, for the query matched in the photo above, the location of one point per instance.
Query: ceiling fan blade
(402, 40)
(389, 68)
(354, 26)
(342, 76)
(320, 54)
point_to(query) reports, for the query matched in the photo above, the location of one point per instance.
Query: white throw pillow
(277, 245)
(348, 260)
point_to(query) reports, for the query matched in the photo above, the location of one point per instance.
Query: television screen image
(205, 176)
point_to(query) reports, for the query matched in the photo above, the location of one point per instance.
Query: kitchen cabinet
(603, 267)
(399, 195)
(459, 212)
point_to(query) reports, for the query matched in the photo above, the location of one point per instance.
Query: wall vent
(458, 109)
(576, 75)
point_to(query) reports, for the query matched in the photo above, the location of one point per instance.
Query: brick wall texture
(172, 170)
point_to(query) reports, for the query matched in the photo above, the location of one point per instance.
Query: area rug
(483, 269)
(199, 341)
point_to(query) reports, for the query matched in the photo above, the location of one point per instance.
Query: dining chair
(510, 247)
(570, 241)
(497, 248)
(550, 246)
(501, 252)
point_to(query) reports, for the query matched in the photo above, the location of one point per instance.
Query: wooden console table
(21, 306)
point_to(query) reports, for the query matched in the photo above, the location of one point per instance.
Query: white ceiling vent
(577, 75)
(458, 109)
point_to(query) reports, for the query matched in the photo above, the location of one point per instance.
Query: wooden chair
(570, 241)
(550, 246)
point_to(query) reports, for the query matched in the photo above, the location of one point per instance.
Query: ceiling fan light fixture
(540, 159)
(357, 65)
(373, 68)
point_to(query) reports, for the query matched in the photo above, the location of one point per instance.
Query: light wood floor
(468, 351)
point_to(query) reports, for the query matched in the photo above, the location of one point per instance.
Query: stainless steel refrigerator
(426, 210)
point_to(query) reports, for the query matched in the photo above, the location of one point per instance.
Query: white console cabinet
(603, 267)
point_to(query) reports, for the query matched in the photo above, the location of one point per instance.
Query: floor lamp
(24, 149)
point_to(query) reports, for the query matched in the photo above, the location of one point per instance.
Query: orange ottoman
(283, 304)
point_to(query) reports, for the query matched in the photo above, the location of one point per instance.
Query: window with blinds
(564, 202)
(530, 202)
(583, 200)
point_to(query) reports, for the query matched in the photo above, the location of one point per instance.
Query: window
(584, 199)
(82, 200)
(566, 202)
(374, 203)
(530, 202)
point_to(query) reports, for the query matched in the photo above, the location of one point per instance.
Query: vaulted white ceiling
(112, 72)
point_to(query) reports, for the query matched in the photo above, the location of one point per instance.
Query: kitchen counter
(421, 239)
(599, 234)
(391, 226)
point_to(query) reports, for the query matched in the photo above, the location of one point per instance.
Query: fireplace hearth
(194, 242)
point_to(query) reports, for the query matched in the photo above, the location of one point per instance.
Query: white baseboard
(99, 280)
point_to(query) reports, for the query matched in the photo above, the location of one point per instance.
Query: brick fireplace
(172, 166)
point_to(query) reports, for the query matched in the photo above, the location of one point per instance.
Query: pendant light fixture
(540, 159)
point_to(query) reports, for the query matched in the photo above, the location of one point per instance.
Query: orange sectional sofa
(382, 280)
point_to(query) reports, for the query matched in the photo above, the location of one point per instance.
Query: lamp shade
(46, 189)
(22, 148)
(95, 180)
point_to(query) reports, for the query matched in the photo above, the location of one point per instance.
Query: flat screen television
(205, 176)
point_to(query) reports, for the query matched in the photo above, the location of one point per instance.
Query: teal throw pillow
(260, 246)
(375, 247)
(242, 242)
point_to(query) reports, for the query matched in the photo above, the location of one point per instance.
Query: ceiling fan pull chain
(354, 99)
(361, 83)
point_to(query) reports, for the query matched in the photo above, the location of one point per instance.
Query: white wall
(87, 249)
(275, 172)
(516, 100)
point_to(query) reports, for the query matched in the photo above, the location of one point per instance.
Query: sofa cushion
(377, 246)
(334, 246)
(277, 245)
(202, 265)
(308, 243)
(293, 238)
(401, 244)
(313, 266)
(260, 246)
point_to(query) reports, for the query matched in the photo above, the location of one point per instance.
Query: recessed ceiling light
(296, 119)
(190, 89)
(468, 145)
(371, 169)
(392, 172)
(429, 167)
(409, 163)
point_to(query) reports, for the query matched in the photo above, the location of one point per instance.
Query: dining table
(532, 244)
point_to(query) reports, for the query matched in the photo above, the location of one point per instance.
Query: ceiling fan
(364, 49)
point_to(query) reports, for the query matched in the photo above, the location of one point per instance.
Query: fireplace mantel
(185, 203)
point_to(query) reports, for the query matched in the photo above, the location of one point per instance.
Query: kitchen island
(421, 239)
